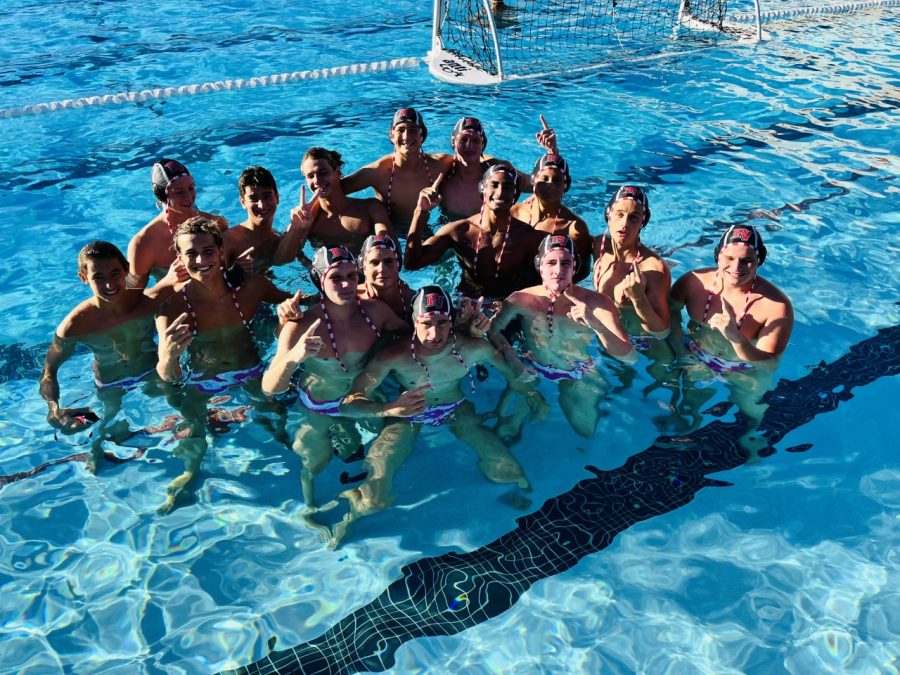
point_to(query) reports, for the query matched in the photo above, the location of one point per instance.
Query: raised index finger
(303, 194)
(438, 181)
(544, 123)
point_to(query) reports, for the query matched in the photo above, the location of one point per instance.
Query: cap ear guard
(163, 173)
(409, 115)
(432, 300)
(509, 169)
(742, 234)
(555, 242)
(324, 259)
(468, 124)
(630, 192)
(553, 161)
(378, 241)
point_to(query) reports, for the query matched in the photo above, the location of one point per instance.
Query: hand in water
(72, 420)
(409, 403)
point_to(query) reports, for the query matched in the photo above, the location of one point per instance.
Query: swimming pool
(792, 568)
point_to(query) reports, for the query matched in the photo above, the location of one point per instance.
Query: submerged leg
(497, 463)
(192, 405)
(385, 457)
(580, 402)
(312, 442)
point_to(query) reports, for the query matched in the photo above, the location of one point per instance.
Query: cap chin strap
(551, 306)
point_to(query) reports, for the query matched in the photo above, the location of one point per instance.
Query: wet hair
(256, 176)
(197, 225)
(333, 157)
(100, 250)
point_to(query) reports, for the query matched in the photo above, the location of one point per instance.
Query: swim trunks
(645, 341)
(332, 407)
(128, 382)
(717, 364)
(435, 415)
(223, 381)
(576, 370)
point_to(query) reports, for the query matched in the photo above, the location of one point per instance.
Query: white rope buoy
(843, 8)
(206, 87)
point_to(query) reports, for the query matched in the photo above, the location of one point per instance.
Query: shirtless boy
(209, 320)
(116, 324)
(559, 321)
(150, 250)
(739, 318)
(494, 249)
(459, 190)
(331, 343)
(545, 212)
(739, 323)
(634, 276)
(330, 218)
(255, 240)
(431, 369)
(399, 177)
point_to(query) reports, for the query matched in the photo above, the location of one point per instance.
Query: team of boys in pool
(369, 346)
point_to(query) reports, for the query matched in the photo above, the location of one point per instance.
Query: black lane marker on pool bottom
(447, 594)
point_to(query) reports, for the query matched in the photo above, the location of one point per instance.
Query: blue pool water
(793, 568)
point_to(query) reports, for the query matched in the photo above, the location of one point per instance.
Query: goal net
(482, 41)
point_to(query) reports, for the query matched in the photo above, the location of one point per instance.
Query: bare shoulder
(473, 347)
(377, 310)
(172, 307)
(220, 221)
(593, 299)
(691, 282)
(773, 295)
(651, 261)
(442, 160)
(148, 231)
(456, 229)
(78, 322)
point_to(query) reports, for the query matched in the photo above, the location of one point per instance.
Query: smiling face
(319, 174)
(339, 284)
(201, 256)
(260, 204)
(737, 264)
(626, 218)
(406, 137)
(106, 278)
(469, 146)
(433, 331)
(557, 268)
(382, 267)
(181, 194)
(500, 191)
